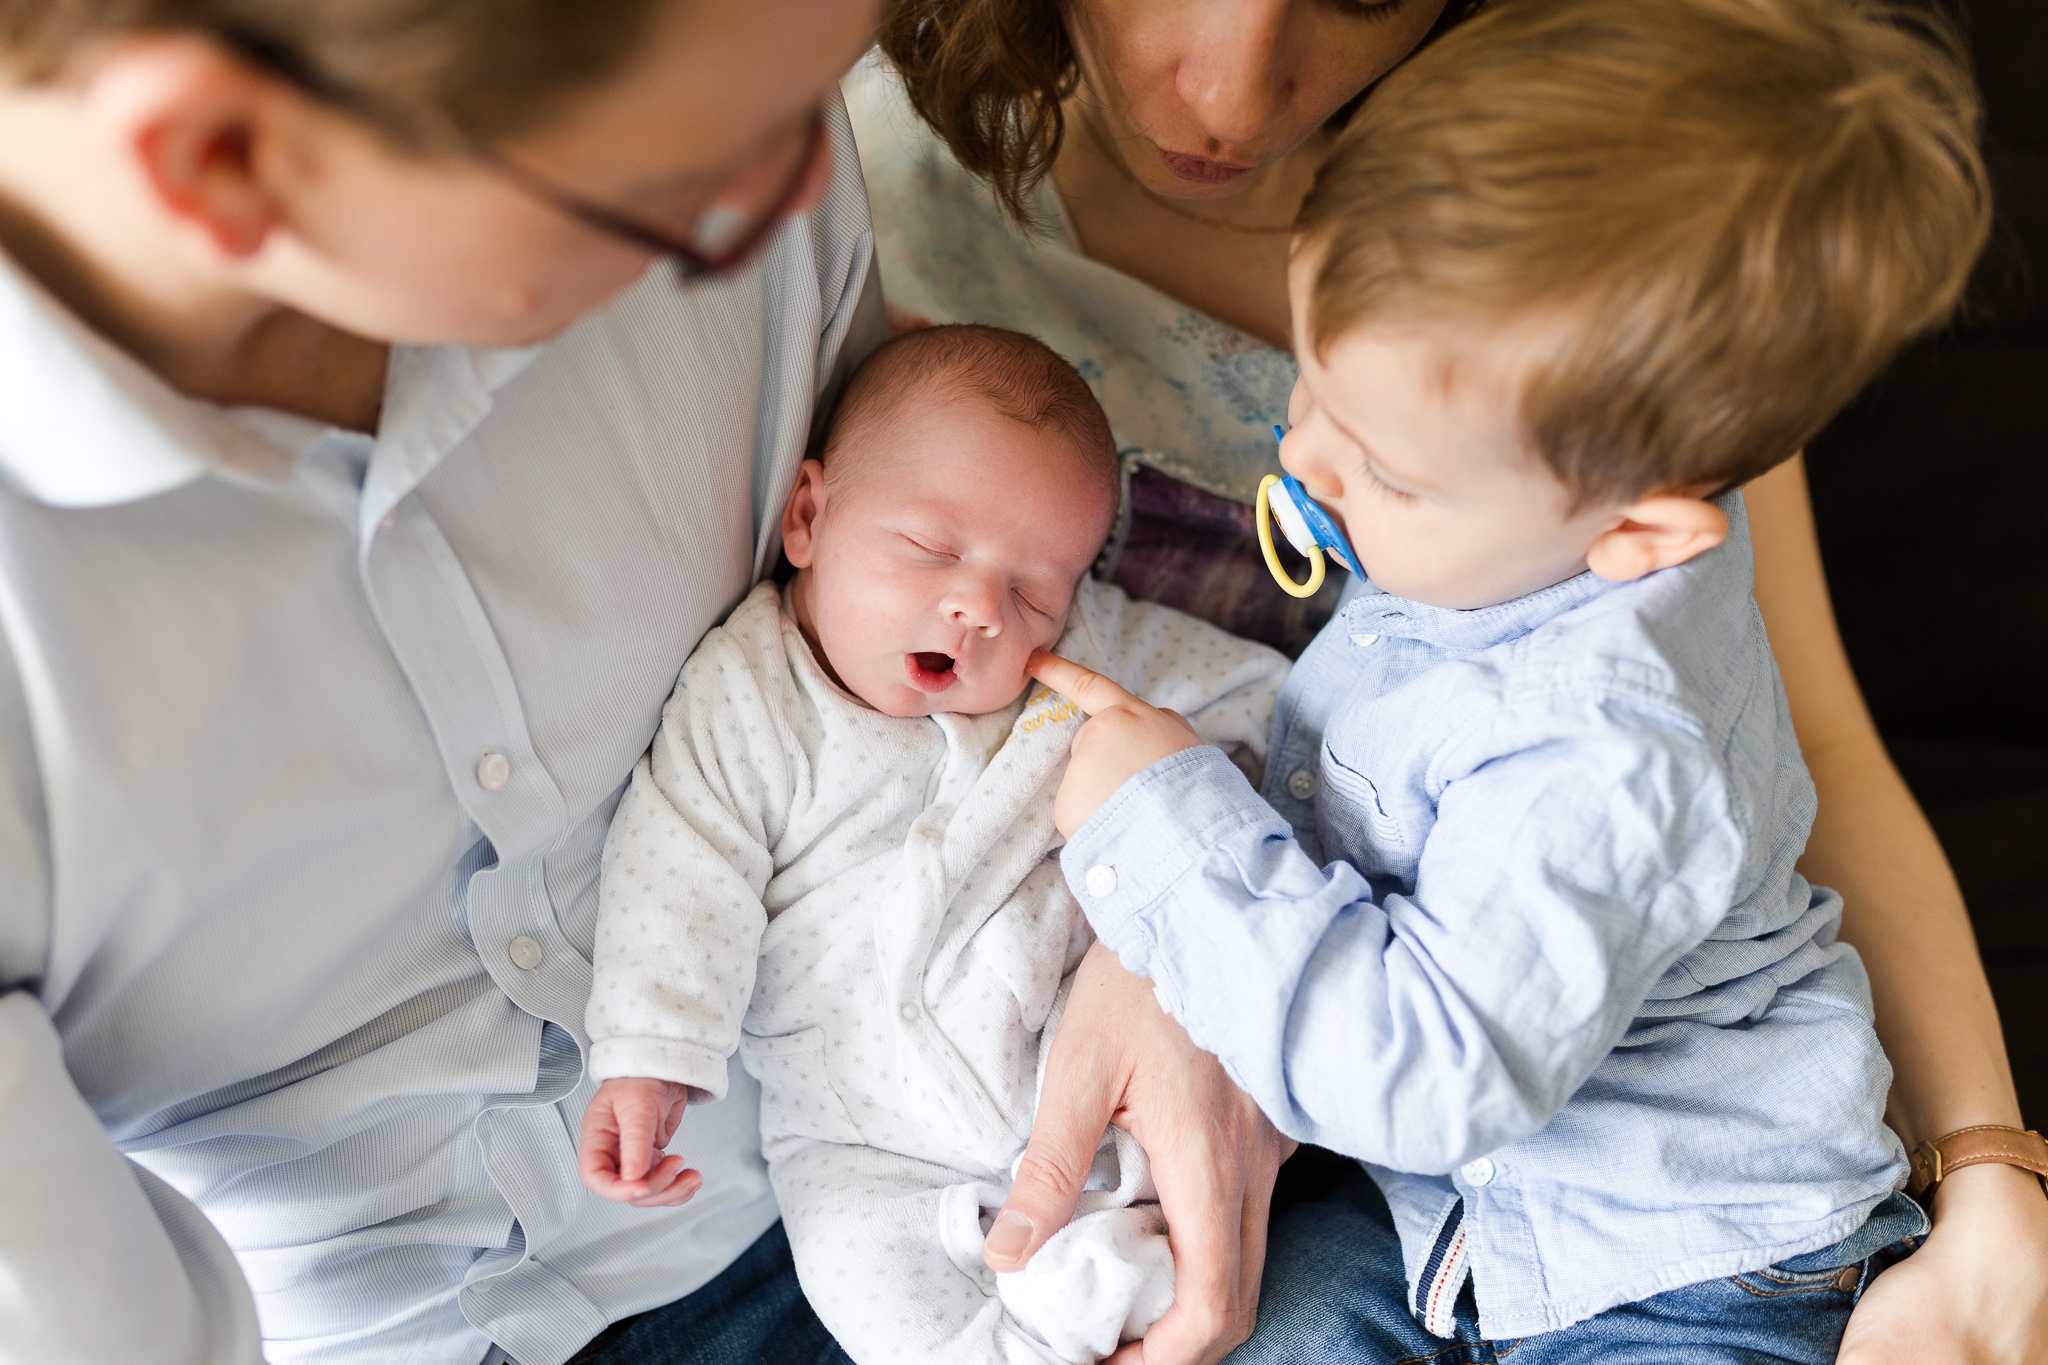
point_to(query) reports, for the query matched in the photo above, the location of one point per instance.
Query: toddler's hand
(629, 1121)
(1122, 738)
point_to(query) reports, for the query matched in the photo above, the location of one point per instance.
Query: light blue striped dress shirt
(1516, 922)
(308, 745)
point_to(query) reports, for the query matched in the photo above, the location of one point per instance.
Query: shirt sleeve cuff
(661, 1059)
(1154, 831)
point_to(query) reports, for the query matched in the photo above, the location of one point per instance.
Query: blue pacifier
(1306, 525)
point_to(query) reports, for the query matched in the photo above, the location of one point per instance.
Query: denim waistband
(1895, 1218)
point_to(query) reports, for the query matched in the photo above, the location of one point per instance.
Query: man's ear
(199, 124)
(1655, 533)
(800, 514)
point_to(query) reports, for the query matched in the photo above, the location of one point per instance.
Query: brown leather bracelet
(1934, 1159)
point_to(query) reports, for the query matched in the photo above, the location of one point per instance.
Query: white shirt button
(493, 771)
(909, 1012)
(1301, 784)
(390, 520)
(525, 952)
(1369, 638)
(1101, 881)
(1478, 1172)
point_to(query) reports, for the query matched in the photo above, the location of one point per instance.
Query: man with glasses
(373, 450)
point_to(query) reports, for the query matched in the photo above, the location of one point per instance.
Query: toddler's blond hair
(1743, 207)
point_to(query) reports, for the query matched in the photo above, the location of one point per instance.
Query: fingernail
(1008, 1238)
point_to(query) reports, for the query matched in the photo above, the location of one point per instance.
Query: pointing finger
(1090, 691)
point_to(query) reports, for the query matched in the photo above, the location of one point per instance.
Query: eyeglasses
(721, 237)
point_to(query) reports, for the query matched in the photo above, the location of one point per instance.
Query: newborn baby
(839, 858)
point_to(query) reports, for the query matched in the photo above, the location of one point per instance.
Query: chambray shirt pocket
(1351, 815)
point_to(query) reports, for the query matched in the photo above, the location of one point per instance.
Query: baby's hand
(1122, 738)
(629, 1121)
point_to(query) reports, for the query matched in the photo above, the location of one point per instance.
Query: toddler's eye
(1373, 477)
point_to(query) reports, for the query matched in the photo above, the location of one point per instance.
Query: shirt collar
(1374, 613)
(84, 424)
(1382, 614)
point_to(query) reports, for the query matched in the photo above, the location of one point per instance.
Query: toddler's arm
(1553, 894)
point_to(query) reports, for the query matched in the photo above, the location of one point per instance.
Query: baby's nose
(984, 623)
(978, 608)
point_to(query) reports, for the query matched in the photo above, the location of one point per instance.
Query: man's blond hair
(1745, 207)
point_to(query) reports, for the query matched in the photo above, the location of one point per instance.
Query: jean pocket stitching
(1784, 1284)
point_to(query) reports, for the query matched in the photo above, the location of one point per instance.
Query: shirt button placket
(493, 770)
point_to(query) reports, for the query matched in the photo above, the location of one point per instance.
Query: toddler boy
(838, 858)
(1517, 920)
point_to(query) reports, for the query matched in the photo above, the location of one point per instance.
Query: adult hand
(1976, 1293)
(1123, 737)
(1119, 1058)
(629, 1121)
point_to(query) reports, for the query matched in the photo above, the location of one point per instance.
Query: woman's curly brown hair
(988, 76)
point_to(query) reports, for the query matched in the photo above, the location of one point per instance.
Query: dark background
(1932, 498)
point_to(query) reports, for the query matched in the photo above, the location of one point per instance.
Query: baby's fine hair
(1020, 376)
(1740, 209)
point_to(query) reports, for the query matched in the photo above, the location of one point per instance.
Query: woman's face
(1202, 95)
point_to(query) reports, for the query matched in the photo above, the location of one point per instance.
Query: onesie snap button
(493, 771)
(525, 952)
(1478, 1172)
(909, 1012)
(1101, 881)
(1301, 784)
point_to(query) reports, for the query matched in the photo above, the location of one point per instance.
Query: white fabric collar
(85, 424)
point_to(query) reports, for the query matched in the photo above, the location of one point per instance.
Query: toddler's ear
(1655, 533)
(800, 513)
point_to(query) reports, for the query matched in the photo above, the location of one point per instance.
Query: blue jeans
(1335, 1291)
(752, 1314)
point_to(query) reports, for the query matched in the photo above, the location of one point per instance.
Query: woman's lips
(930, 671)
(1199, 170)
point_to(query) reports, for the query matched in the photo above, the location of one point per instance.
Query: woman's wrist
(1991, 1189)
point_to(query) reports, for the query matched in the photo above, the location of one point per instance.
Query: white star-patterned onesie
(870, 909)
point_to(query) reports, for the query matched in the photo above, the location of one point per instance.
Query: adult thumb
(1068, 1128)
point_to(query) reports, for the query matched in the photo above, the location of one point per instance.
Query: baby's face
(944, 556)
(1427, 463)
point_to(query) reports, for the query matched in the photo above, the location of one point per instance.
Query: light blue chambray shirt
(1517, 922)
(308, 746)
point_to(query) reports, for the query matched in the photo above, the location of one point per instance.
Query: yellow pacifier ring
(1262, 513)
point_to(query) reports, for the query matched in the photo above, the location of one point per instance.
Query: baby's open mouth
(931, 671)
